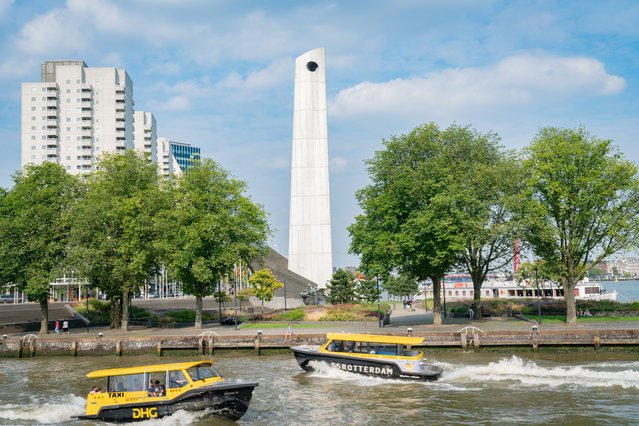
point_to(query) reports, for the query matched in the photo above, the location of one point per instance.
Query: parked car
(6, 298)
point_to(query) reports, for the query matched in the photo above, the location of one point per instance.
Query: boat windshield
(202, 371)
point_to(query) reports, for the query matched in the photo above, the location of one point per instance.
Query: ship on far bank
(459, 287)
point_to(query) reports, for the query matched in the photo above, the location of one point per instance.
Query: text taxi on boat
(371, 355)
(154, 391)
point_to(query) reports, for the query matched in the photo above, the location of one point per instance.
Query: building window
(32, 108)
(33, 98)
(68, 91)
(33, 137)
(33, 127)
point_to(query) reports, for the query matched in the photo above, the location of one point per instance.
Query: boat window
(378, 348)
(202, 371)
(127, 383)
(177, 379)
(336, 346)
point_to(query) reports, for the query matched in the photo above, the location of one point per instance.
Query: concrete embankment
(209, 343)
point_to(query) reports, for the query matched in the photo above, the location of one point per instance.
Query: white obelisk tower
(310, 252)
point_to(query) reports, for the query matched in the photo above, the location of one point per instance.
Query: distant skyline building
(145, 134)
(76, 113)
(310, 251)
(175, 157)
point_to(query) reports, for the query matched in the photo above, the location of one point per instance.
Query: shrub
(341, 316)
(292, 315)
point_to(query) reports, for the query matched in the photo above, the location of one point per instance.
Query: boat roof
(376, 338)
(155, 368)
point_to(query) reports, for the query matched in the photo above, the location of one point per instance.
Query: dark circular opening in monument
(311, 66)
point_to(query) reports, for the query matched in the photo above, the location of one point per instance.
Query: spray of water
(45, 413)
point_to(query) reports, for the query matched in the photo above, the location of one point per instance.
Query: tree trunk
(44, 317)
(262, 306)
(125, 310)
(198, 312)
(569, 297)
(477, 298)
(437, 305)
(115, 311)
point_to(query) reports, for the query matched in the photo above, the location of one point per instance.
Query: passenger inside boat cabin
(94, 389)
(159, 389)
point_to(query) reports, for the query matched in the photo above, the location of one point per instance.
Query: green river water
(524, 388)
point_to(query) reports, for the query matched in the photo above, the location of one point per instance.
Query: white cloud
(177, 103)
(338, 163)
(4, 6)
(49, 33)
(516, 81)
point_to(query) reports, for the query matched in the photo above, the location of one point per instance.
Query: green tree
(580, 206)
(117, 229)
(411, 223)
(367, 290)
(264, 284)
(341, 288)
(482, 186)
(34, 230)
(244, 295)
(212, 226)
(401, 286)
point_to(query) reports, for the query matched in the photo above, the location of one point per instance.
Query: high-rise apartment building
(75, 113)
(175, 157)
(145, 134)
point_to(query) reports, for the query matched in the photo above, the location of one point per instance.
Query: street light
(235, 299)
(444, 293)
(538, 296)
(379, 312)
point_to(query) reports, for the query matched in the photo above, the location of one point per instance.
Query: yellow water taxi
(154, 391)
(370, 355)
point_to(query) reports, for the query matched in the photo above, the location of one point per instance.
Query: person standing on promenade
(57, 326)
(65, 327)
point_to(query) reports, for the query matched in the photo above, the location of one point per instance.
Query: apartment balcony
(86, 114)
(52, 124)
(52, 107)
(52, 147)
(52, 156)
(51, 117)
(86, 88)
(52, 98)
(86, 157)
(120, 129)
(86, 98)
(86, 126)
(120, 148)
(52, 87)
(86, 119)
(119, 97)
(148, 147)
(52, 136)
(86, 133)
(86, 167)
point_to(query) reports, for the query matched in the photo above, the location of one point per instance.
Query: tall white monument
(309, 243)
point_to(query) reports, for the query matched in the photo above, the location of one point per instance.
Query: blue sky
(219, 75)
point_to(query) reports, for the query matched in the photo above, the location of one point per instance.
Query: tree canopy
(212, 226)
(264, 284)
(116, 228)
(580, 205)
(34, 230)
(341, 288)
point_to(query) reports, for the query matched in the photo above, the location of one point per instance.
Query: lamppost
(444, 293)
(88, 322)
(379, 312)
(235, 299)
(538, 296)
(219, 299)
(285, 295)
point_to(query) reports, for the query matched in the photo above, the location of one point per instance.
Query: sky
(219, 74)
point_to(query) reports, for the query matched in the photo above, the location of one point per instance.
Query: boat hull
(227, 400)
(375, 367)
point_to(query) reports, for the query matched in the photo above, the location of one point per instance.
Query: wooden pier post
(74, 348)
(159, 347)
(200, 346)
(476, 340)
(597, 341)
(118, 348)
(209, 345)
(464, 342)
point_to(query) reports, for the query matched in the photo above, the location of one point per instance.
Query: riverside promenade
(460, 333)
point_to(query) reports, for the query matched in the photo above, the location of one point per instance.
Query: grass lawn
(562, 319)
(278, 325)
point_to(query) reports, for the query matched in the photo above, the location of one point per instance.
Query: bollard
(409, 332)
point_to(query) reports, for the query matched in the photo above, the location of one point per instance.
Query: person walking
(65, 327)
(471, 313)
(57, 326)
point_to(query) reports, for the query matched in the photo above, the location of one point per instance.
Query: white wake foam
(45, 413)
(518, 371)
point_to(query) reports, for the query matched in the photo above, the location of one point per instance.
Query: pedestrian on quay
(57, 326)
(65, 327)
(471, 313)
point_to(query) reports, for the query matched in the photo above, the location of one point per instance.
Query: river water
(523, 388)
(627, 291)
